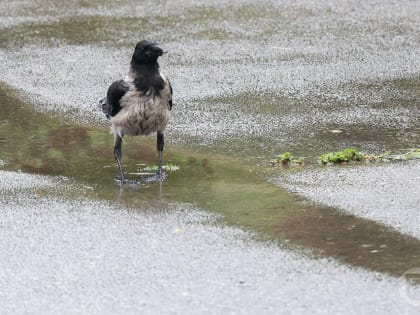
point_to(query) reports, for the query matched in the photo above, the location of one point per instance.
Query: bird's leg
(160, 175)
(117, 156)
(160, 145)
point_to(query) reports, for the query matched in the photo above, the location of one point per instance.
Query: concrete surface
(93, 257)
(389, 194)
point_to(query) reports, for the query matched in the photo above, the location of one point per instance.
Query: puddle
(95, 26)
(351, 239)
(374, 118)
(42, 144)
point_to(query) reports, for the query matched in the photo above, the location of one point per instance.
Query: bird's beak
(158, 51)
(155, 51)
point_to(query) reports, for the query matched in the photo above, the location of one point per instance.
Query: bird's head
(147, 52)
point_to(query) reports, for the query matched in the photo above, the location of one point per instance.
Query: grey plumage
(140, 102)
(142, 113)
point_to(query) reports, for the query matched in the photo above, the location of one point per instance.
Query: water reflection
(37, 143)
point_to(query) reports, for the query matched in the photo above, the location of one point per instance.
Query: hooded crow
(139, 103)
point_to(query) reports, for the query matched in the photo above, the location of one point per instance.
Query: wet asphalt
(94, 257)
(250, 81)
(386, 193)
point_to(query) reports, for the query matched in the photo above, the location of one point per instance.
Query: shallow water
(44, 144)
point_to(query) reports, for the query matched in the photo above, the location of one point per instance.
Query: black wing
(115, 92)
(170, 95)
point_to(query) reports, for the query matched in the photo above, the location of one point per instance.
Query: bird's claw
(129, 182)
(159, 177)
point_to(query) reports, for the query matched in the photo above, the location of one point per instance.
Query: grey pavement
(388, 194)
(93, 257)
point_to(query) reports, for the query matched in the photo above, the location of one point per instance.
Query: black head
(146, 52)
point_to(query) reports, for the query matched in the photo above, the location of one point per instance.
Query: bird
(139, 103)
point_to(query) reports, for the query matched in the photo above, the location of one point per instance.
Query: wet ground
(92, 256)
(250, 81)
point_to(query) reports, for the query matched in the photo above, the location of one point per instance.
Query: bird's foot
(128, 182)
(159, 177)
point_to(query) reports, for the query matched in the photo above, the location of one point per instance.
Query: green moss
(286, 158)
(346, 155)
(412, 154)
